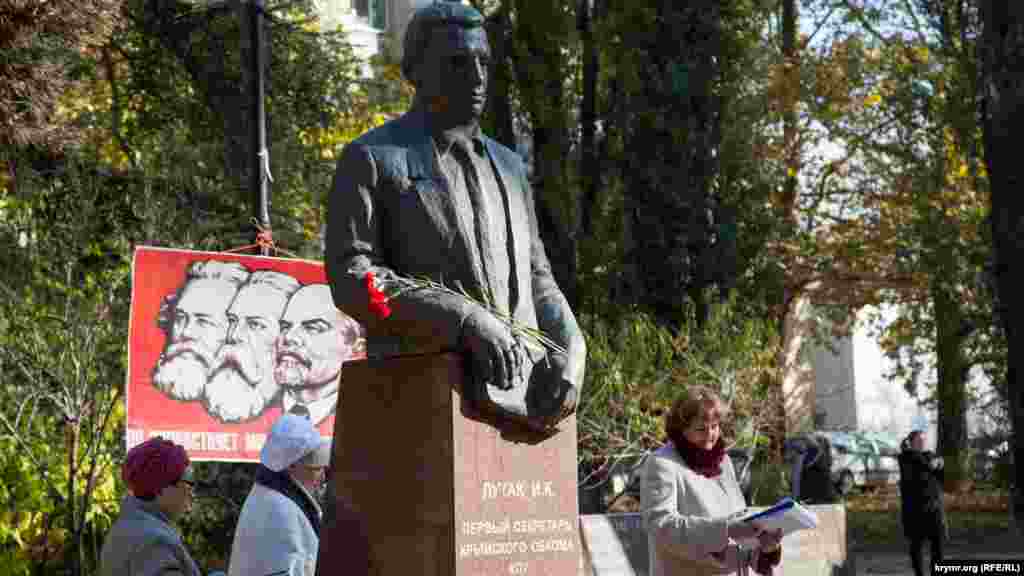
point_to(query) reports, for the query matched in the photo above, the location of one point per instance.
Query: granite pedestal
(438, 489)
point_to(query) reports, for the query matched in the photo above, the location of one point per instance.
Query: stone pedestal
(441, 490)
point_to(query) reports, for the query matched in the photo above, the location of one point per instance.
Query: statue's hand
(555, 397)
(496, 357)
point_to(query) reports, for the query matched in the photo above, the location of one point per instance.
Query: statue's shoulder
(396, 132)
(504, 154)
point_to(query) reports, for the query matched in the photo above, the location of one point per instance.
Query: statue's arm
(355, 245)
(554, 317)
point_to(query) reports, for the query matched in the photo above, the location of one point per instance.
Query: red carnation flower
(378, 300)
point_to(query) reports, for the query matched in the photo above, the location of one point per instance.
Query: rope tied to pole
(264, 242)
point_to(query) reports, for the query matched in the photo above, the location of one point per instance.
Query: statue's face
(452, 76)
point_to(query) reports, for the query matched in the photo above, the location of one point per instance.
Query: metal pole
(588, 115)
(258, 131)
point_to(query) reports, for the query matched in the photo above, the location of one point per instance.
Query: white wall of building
(835, 402)
(885, 406)
(852, 392)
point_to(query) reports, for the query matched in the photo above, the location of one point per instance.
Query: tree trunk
(671, 159)
(797, 378)
(790, 97)
(590, 170)
(952, 387)
(71, 430)
(540, 67)
(222, 79)
(1003, 89)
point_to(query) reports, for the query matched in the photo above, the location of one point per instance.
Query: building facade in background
(373, 26)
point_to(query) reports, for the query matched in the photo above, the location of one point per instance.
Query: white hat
(291, 438)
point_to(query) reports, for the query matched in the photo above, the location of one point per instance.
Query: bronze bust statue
(428, 195)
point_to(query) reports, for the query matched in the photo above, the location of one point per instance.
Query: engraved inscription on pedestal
(515, 502)
(452, 494)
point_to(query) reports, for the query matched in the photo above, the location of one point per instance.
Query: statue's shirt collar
(445, 139)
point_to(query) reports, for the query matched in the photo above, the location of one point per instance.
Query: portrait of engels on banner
(241, 341)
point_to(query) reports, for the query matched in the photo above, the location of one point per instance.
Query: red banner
(220, 345)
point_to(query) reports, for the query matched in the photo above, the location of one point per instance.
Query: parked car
(862, 460)
(881, 464)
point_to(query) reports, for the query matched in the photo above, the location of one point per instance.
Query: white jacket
(273, 537)
(687, 518)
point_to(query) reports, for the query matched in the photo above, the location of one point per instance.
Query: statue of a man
(429, 195)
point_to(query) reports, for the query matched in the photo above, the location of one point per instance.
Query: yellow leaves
(328, 141)
(112, 154)
(873, 99)
(921, 54)
(312, 26)
(72, 104)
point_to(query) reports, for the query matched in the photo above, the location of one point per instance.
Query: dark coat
(816, 485)
(920, 494)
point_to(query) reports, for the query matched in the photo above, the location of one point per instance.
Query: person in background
(816, 486)
(143, 541)
(278, 530)
(921, 475)
(690, 497)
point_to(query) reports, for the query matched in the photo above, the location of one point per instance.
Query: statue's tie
(482, 212)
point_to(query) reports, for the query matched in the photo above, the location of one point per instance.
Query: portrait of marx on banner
(221, 344)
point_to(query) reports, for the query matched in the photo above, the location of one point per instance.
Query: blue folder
(782, 505)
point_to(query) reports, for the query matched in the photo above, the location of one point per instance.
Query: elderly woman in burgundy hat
(143, 541)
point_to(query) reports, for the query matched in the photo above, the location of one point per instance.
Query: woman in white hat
(278, 531)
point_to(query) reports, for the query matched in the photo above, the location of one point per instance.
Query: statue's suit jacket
(391, 211)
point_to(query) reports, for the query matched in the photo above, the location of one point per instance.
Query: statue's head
(446, 57)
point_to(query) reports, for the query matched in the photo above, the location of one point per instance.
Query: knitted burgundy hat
(153, 465)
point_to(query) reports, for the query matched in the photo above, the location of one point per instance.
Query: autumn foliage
(41, 42)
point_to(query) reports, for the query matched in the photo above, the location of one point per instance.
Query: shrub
(637, 368)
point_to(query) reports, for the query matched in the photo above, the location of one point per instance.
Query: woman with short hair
(691, 499)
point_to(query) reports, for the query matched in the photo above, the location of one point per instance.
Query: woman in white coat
(278, 531)
(690, 498)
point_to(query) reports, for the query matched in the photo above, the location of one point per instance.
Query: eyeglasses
(705, 428)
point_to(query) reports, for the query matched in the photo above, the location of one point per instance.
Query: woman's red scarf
(707, 463)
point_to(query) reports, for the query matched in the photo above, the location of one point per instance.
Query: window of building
(373, 11)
